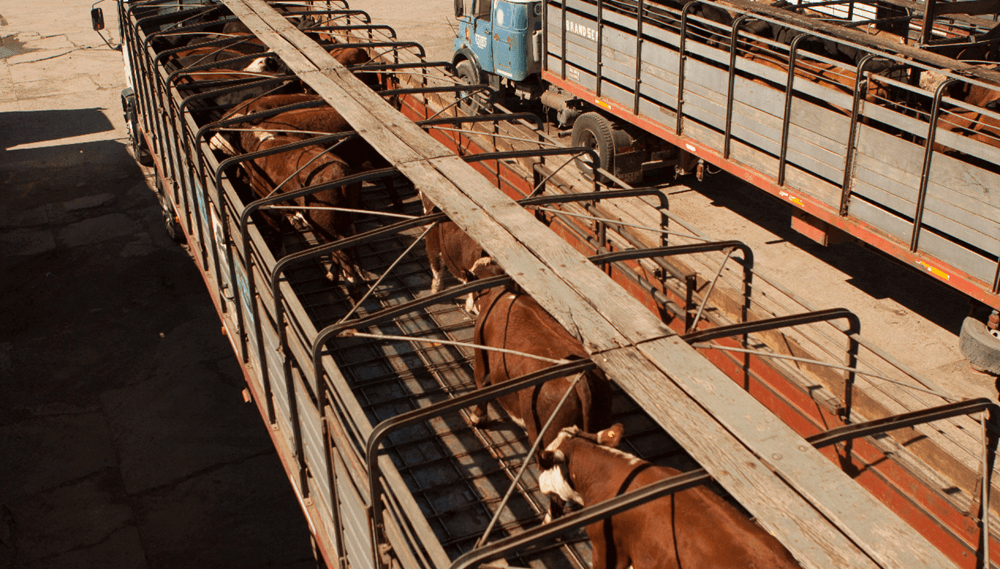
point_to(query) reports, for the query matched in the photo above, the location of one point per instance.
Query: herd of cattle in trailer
(285, 144)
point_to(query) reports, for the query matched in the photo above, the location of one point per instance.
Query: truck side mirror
(97, 18)
(459, 8)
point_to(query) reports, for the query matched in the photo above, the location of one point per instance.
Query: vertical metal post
(331, 472)
(996, 278)
(793, 51)
(638, 55)
(852, 364)
(293, 403)
(545, 35)
(255, 315)
(859, 81)
(680, 65)
(985, 508)
(562, 36)
(925, 172)
(600, 45)
(925, 32)
(733, 49)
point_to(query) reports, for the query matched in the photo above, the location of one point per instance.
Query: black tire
(469, 74)
(169, 219)
(592, 130)
(138, 143)
(980, 347)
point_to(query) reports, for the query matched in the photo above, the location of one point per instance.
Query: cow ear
(611, 436)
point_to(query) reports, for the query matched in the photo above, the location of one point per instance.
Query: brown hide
(197, 56)
(516, 322)
(826, 74)
(269, 102)
(694, 528)
(244, 43)
(317, 167)
(449, 247)
(354, 56)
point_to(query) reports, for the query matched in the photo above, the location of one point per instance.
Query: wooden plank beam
(822, 529)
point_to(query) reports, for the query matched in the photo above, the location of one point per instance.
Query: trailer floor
(124, 439)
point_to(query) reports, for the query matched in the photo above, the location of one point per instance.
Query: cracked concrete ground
(124, 438)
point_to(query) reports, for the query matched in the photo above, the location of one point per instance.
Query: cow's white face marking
(480, 263)
(219, 142)
(262, 135)
(552, 481)
(470, 305)
(258, 65)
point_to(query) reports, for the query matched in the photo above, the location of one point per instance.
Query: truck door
(510, 39)
(481, 39)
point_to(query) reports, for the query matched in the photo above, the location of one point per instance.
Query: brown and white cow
(301, 168)
(259, 68)
(692, 528)
(513, 320)
(448, 247)
(300, 124)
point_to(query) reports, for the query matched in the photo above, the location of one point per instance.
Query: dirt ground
(124, 438)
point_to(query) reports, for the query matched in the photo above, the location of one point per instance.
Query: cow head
(484, 268)
(556, 478)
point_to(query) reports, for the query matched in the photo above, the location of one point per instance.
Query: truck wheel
(592, 130)
(139, 151)
(169, 219)
(980, 347)
(467, 72)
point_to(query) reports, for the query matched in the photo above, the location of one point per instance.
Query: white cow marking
(258, 65)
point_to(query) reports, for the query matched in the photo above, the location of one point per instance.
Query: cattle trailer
(844, 454)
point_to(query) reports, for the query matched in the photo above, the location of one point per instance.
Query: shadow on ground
(875, 273)
(125, 438)
(26, 127)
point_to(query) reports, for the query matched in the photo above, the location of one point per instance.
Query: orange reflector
(935, 271)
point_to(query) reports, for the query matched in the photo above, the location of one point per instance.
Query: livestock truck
(844, 454)
(875, 121)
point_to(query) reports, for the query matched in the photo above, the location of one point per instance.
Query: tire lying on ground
(980, 347)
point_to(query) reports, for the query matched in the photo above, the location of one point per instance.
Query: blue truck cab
(500, 37)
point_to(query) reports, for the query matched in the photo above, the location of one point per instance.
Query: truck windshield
(481, 9)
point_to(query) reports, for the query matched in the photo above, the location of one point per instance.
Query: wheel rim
(588, 140)
(466, 104)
